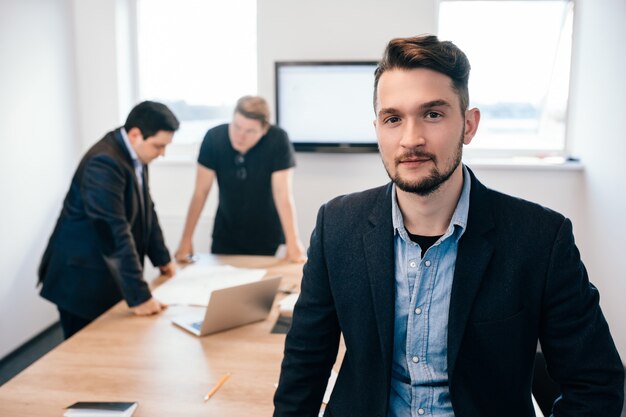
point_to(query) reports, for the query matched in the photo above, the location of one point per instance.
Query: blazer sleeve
(156, 250)
(312, 342)
(575, 339)
(103, 188)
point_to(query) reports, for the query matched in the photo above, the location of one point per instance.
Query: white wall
(171, 185)
(37, 133)
(325, 29)
(98, 26)
(597, 129)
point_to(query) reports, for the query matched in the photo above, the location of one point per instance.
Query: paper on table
(193, 284)
(329, 389)
(538, 412)
(331, 384)
(287, 304)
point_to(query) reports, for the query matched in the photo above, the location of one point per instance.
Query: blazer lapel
(128, 161)
(146, 200)
(474, 254)
(379, 256)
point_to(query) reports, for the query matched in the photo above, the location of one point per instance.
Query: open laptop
(231, 307)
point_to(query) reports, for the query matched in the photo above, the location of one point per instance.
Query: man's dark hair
(426, 51)
(150, 117)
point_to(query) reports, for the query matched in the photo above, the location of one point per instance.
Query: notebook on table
(100, 409)
(232, 307)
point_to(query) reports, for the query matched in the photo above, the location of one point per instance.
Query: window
(520, 55)
(198, 57)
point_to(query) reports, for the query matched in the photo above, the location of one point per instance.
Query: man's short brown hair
(426, 51)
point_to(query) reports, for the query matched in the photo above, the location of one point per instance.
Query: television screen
(327, 106)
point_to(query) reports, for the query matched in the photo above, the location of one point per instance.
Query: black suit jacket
(95, 254)
(518, 279)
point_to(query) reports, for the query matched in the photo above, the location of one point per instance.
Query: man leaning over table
(253, 162)
(108, 224)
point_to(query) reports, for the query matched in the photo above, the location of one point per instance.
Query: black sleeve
(284, 154)
(102, 187)
(580, 354)
(207, 156)
(313, 341)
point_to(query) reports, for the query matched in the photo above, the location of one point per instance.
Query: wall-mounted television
(327, 106)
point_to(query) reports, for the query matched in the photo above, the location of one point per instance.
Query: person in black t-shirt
(253, 164)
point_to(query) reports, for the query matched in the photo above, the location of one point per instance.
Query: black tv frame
(331, 147)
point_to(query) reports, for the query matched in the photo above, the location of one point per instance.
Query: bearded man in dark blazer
(441, 287)
(95, 256)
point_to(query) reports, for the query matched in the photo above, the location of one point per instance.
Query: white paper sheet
(193, 285)
(287, 304)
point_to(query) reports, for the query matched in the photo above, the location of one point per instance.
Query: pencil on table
(217, 386)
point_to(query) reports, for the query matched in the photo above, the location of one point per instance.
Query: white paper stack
(287, 304)
(193, 285)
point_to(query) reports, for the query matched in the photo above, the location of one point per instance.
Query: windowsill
(181, 159)
(502, 163)
(526, 163)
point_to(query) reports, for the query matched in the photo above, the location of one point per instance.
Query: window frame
(501, 153)
(176, 151)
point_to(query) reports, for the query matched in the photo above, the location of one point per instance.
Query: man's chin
(241, 148)
(411, 181)
(423, 186)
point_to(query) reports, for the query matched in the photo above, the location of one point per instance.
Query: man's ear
(134, 135)
(472, 119)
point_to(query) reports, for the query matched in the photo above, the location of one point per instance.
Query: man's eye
(433, 115)
(392, 119)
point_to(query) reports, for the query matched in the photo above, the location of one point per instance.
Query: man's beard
(432, 182)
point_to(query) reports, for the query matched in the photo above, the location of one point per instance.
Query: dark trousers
(545, 390)
(71, 323)
(230, 248)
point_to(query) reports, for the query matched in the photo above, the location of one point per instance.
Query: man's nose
(413, 134)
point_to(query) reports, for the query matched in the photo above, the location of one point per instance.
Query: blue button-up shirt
(419, 380)
(136, 162)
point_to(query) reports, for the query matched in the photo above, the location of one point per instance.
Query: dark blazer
(96, 252)
(518, 279)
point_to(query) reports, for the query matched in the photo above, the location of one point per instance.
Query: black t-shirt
(425, 242)
(246, 221)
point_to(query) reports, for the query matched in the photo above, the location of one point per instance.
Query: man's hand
(295, 252)
(169, 270)
(184, 252)
(152, 306)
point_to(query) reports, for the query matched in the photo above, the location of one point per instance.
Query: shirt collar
(459, 217)
(130, 148)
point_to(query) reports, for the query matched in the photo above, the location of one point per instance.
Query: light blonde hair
(254, 107)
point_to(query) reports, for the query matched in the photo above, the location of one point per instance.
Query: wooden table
(122, 357)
